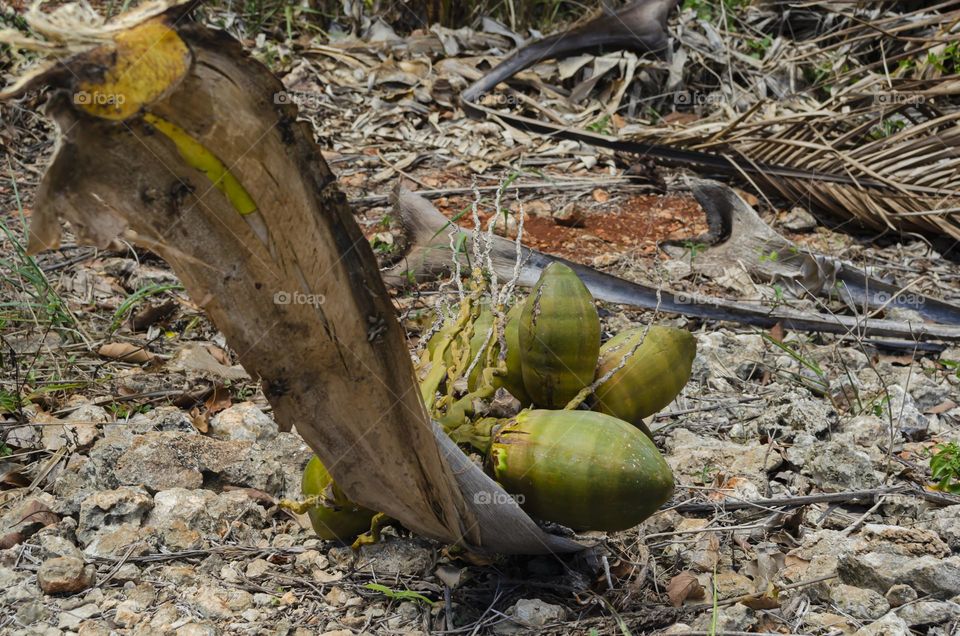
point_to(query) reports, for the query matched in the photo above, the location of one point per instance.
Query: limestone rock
(243, 422)
(900, 594)
(182, 517)
(65, 575)
(858, 602)
(929, 613)
(110, 511)
(394, 556)
(889, 625)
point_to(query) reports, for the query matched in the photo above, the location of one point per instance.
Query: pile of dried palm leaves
(845, 107)
(860, 94)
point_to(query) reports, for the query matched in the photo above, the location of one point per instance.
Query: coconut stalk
(173, 138)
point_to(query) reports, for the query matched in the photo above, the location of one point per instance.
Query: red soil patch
(634, 225)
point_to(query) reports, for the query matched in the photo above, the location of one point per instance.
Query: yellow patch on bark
(142, 65)
(199, 157)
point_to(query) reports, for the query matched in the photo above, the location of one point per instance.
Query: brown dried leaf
(777, 332)
(682, 587)
(219, 355)
(218, 400)
(767, 600)
(943, 407)
(13, 475)
(152, 314)
(199, 419)
(125, 352)
(265, 499)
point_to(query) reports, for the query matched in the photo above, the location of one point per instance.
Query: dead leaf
(682, 587)
(13, 475)
(153, 314)
(777, 332)
(219, 400)
(600, 195)
(751, 200)
(125, 352)
(195, 359)
(943, 407)
(767, 600)
(219, 355)
(904, 360)
(199, 419)
(265, 499)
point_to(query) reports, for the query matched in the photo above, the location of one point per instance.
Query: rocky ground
(140, 497)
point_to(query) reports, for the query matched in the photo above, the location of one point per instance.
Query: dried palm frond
(859, 95)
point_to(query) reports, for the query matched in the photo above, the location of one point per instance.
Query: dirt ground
(139, 497)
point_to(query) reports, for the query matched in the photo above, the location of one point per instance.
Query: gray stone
(162, 418)
(10, 577)
(901, 540)
(85, 475)
(396, 556)
(535, 613)
(54, 545)
(218, 602)
(732, 618)
(880, 571)
(78, 430)
(836, 464)
(197, 629)
(688, 454)
(257, 568)
(799, 220)
(71, 618)
(162, 461)
(31, 612)
(929, 612)
(244, 421)
(794, 412)
(127, 572)
(866, 429)
(889, 625)
(127, 614)
(946, 523)
(65, 575)
(900, 594)
(858, 602)
(105, 512)
(908, 419)
(183, 518)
